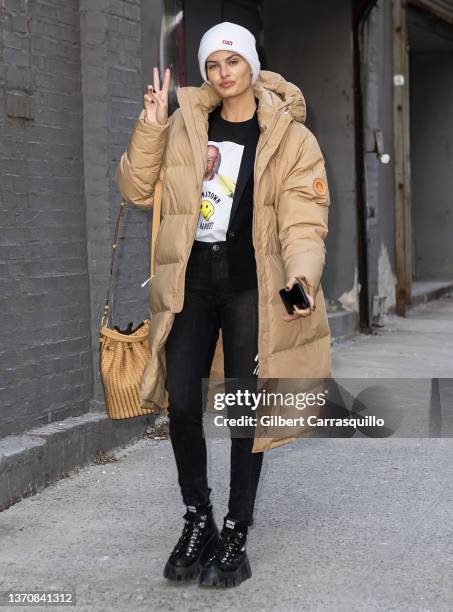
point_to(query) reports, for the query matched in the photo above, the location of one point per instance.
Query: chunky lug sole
(180, 573)
(212, 576)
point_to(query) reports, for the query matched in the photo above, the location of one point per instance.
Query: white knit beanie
(228, 36)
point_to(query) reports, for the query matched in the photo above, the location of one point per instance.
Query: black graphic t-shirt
(226, 145)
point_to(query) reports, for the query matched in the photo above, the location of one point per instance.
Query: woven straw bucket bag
(124, 355)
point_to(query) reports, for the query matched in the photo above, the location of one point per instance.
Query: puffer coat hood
(290, 224)
(283, 95)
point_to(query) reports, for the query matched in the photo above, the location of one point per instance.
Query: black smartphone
(294, 297)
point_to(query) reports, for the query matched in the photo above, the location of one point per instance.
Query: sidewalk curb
(32, 460)
(426, 291)
(343, 324)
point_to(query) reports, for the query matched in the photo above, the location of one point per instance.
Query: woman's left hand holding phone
(298, 312)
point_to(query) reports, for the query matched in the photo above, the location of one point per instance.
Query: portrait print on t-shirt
(219, 184)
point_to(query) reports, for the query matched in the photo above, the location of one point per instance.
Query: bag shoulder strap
(157, 205)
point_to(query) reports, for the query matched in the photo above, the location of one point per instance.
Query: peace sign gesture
(156, 99)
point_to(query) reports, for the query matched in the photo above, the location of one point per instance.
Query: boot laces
(229, 544)
(191, 534)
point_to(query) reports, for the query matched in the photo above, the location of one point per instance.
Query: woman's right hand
(156, 104)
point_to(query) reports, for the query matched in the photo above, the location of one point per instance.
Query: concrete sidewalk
(340, 524)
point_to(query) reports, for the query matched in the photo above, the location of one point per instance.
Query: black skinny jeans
(210, 304)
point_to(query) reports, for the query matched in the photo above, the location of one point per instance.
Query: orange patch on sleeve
(320, 186)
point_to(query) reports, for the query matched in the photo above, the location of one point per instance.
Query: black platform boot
(195, 545)
(228, 566)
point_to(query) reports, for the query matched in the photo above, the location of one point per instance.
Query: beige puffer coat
(290, 224)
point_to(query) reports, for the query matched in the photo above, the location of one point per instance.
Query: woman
(238, 144)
